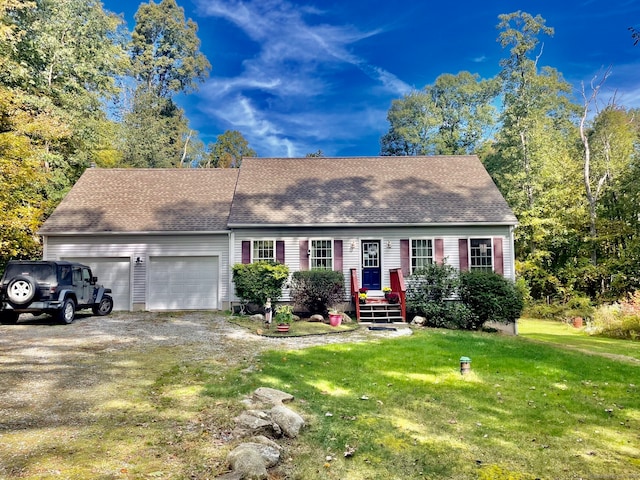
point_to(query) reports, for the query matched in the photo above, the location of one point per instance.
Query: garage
(183, 283)
(113, 273)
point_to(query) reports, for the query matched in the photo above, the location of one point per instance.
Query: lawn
(528, 409)
(552, 403)
(563, 334)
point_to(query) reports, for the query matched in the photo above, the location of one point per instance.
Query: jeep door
(81, 287)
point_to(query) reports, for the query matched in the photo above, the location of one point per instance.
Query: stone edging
(265, 419)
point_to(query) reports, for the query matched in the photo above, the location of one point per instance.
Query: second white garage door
(183, 283)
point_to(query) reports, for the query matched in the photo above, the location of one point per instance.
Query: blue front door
(371, 272)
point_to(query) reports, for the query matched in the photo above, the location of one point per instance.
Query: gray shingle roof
(145, 200)
(366, 190)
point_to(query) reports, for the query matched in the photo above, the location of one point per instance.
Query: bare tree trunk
(184, 150)
(592, 197)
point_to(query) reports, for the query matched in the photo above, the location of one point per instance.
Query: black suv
(55, 287)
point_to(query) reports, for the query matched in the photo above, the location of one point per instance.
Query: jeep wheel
(104, 307)
(21, 290)
(68, 311)
(8, 318)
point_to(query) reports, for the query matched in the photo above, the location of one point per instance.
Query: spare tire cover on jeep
(21, 290)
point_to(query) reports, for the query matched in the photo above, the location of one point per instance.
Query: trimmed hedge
(255, 282)
(490, 296)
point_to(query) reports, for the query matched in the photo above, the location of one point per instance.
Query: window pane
(421, 253)
(370, 255)
(263, 250)
(481, 254)
(321, 255)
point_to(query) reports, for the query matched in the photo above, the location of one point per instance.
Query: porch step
(380, 312)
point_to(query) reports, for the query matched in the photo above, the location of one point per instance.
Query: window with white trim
(421, 253)
(321, 257)
(264, 250)
(480, 254)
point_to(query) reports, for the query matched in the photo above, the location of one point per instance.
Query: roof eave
(375, 225)
(148, 232)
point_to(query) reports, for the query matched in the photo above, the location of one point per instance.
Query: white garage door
(113, 273)
(183, 283)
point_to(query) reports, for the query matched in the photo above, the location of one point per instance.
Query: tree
(228, 150)
(153, 132)
(452, 116)
(317, 154)
(165, 50)
(533, 159)
(165, 61)
(59, 62)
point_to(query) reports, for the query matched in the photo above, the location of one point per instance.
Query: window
(480, 254)
(321, 257)
(421, 253)
(264, 250)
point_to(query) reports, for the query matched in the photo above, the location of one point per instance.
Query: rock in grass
(248, 462)
(271, 396)
(288, 420)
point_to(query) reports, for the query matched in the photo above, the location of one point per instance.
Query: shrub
(579, 306)
(625, 327)
(429, 293)
(490, 296)
(546, 311)
(255, 282)
(316, 290)
(619, 320)
(431, 284)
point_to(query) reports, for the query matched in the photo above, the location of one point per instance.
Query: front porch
(376, 308)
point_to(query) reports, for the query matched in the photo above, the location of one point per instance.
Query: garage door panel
(113, 273)
(183, 283)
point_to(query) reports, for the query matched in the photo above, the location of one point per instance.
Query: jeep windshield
(39, 272)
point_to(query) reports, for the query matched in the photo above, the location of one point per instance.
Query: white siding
(389, 236)
(145, 246)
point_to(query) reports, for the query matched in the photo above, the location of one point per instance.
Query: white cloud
(302, 65)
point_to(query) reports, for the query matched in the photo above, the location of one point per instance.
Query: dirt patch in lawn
(121, 396)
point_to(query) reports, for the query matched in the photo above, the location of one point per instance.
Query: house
(167, 238)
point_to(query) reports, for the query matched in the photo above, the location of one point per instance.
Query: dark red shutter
(498, 257)
(337, 255)
(280, 251)
(439, 250)
(404, 258)
(464, 254)
(304, 254)
(246, 251)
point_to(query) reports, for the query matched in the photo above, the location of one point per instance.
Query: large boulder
(271, 396)
(288, 420)
(247, 461)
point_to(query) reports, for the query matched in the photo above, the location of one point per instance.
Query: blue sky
(294, 77)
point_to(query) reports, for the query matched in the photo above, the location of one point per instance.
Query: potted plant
(393, 297)
(335, 317)
(284, 317)
(386, 291)
(362, 297)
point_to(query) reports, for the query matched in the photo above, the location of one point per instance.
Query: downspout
(231, 257)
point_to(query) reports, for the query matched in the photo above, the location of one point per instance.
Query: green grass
(564, 335)
(527, 409)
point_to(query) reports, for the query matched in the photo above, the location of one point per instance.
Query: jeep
(58, 288)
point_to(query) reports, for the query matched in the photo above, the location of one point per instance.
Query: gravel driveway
(44, 366)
